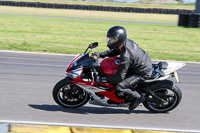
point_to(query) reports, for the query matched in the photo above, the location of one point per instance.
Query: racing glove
(100, 79)
(100, 54)
(97, 54)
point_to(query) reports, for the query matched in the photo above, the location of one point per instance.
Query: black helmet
(116, 36)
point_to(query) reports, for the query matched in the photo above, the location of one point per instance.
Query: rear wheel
(69, 95)
(171, 96)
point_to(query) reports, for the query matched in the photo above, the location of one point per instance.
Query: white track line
(39, 53)
(22, 52)
(97, 126)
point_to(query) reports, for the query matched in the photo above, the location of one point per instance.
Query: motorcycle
(79, 86)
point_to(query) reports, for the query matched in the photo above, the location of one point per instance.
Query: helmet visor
(111, 40)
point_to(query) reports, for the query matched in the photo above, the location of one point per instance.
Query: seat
(157, 72)
(163, 65)
(154, 75)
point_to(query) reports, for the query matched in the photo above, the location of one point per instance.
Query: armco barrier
(97, 8)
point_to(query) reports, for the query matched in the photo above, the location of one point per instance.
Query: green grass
(72, 36)
(139, 5)
(91, 14)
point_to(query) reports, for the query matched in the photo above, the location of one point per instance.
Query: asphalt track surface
(27, 80)
(92, 19)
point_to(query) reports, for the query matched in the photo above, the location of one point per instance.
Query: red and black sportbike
(79, 86)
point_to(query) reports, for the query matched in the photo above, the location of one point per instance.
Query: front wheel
(69, 95)
(171, 96)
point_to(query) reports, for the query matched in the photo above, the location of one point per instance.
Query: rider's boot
(135, 97)
(135, 103)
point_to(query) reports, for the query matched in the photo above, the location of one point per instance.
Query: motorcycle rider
(132, 59)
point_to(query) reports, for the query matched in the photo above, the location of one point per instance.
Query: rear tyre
(69, 95)
(172, 97)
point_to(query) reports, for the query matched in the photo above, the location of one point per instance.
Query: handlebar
(95, 58)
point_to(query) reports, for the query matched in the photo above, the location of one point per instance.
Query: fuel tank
(110, 65)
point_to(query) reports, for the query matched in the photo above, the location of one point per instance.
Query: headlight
(73, 75)
(73, 66)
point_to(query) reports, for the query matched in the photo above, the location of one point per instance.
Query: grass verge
(71, 36)
(91, 14)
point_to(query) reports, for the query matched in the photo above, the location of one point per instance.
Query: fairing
(84, 60)
(172, 67)
(72, 62)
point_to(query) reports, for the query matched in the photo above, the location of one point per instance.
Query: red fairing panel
(74, 60)
(80, 81)
(112, 96)
(110, 65)
(109, 93)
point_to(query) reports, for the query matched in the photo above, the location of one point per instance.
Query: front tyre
(172, 97)
(69, 95)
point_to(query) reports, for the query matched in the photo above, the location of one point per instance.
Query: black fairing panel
(154, 85)
(161, 84)
(85, 60)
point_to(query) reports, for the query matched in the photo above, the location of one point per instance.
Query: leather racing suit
(135, 65)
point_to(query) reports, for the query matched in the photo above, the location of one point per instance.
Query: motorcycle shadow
(88, 109)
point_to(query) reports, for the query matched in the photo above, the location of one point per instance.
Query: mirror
(93, 45)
